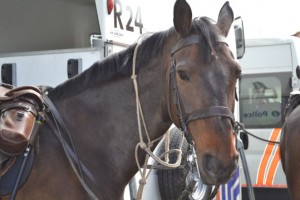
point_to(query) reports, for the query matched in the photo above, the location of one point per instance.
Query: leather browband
(193, 39)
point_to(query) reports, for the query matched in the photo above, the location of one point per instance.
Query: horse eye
(183, 75)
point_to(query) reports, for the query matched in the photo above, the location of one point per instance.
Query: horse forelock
(205, 27)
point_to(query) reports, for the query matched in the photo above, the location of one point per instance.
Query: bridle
(185, 119)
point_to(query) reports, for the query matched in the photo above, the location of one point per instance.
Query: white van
(269, 69)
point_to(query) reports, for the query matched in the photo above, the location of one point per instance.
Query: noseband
(212, 111)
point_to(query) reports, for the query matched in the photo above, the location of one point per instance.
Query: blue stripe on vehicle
(231, 190)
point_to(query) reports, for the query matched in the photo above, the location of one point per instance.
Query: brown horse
(99, 110)
(290, 148)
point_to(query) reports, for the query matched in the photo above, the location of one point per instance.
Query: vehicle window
(33, 25)
(263, 98)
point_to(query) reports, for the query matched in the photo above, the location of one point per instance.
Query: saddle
(19, 108)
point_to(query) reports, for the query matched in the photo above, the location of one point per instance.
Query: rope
(143, 145)
(167, 145)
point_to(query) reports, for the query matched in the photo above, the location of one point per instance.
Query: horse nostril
(216, 168)
(211, 165)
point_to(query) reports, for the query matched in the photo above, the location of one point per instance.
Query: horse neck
(102, 121)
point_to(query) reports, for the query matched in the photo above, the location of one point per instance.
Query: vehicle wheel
(173, 182)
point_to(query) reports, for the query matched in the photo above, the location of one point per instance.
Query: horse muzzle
(215, 171)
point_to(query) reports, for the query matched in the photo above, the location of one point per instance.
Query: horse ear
(182, 17)
(225, 19)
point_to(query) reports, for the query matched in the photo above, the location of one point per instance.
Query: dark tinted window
(35, 25)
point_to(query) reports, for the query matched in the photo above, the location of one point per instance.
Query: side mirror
(298, 72)
(239, 37)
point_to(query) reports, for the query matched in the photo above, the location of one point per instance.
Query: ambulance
(46, 42)
(270, 69)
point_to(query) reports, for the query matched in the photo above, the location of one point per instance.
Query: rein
(241, 126)
(78, 167)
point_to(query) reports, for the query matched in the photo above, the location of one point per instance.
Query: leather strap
(85, 170)
(193, 39)
(212, 111)
(17, 89)
(176, 101)
(222, 39)
(9, 93)
(18, 105)
(71, 154)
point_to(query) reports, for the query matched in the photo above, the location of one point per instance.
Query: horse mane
(119, 64)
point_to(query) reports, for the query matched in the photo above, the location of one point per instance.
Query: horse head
(203, 75)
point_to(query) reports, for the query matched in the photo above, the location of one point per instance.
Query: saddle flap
(8, 179)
